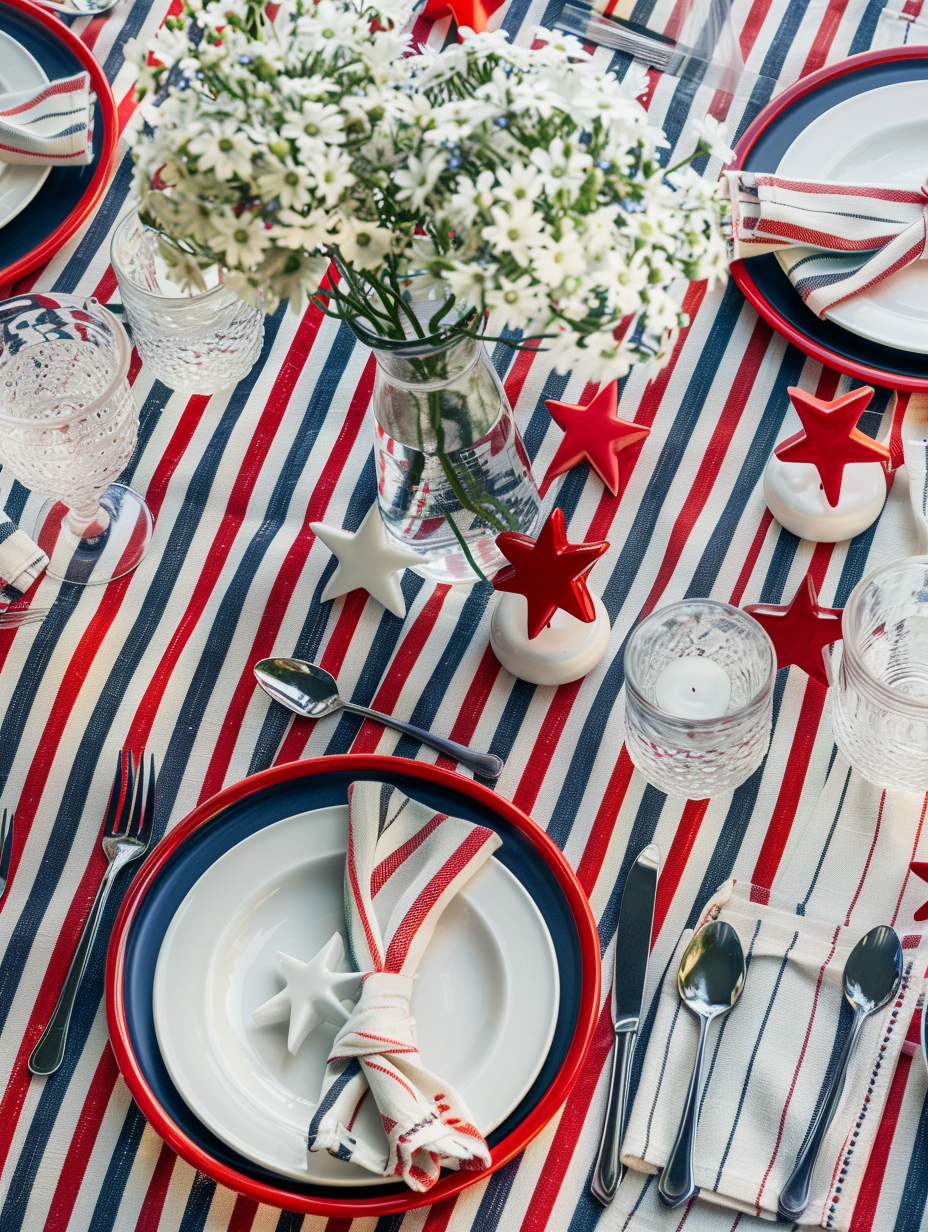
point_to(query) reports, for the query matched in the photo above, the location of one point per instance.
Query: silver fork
(25, 616)
(126, 835)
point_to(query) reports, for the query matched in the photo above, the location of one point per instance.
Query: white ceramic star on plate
(485, 1000)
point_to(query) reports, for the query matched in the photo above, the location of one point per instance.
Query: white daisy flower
(224, 149)
(514, 229)
(711, 134)
(242, 240)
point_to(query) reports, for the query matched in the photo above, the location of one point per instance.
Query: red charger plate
(90, 198)
(742, 270)
(450, 1183)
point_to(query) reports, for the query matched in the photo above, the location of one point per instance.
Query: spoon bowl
(874, 970)
(709, 981)
(311, 691)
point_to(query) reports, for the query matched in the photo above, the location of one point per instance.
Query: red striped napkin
(405, 863)
(21, 562)
(838, 239)
(52, 126)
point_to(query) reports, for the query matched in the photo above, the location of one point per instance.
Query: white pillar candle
(795, 496)
(693, 688)
(565, 650)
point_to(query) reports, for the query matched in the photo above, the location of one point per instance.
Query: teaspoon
(311, 691)
(872, 977)
(710, 980)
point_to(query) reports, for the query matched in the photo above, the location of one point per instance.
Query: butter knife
(632, 946)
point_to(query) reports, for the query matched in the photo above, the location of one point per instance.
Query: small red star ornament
(472, 13)
(595, 434)
(920, 869)
(550, 572)
(801, 631)
(830, 438)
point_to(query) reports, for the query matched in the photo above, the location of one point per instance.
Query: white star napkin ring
(313, 994)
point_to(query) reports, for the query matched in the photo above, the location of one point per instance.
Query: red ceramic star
(920, 869)
(830, 438)
(593, 433)
(801, 631)
(472, 13)
(549, 572)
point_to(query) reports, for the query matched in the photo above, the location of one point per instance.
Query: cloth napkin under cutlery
(50, 126)
(767, 1065)
(21, 562)
(838, 239)
(405, 863)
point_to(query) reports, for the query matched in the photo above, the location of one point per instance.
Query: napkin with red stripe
(405, 864)
(21, 562)
(49, 126)
(837, 239)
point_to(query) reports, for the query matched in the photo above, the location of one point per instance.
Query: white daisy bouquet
(523, 183)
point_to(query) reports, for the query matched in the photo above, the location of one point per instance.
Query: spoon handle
(676, 1184)
(487, 764)
(794, 1197)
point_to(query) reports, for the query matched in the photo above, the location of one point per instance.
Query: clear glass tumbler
(197, 344)
(68, 426)
(881, 698)
(699, 757)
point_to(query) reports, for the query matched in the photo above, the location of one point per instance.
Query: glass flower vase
(452, 472)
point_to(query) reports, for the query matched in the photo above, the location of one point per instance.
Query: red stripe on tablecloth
(674, 866)
(338, 1223)
(908, 872)
(284, 583)
(153, 1203)
(478, 693)
(751, 559)
(439, 1215)
(868, 1196)
(604, 822)
(518, 373)
(825, 37)
(243, 1215)
(83, 1142)
(711, 462)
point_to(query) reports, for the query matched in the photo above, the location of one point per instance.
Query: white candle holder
(796, 497)
(565, 650)
(718, 749)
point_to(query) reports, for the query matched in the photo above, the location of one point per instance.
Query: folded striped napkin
(21, 562)
(838, 239)
(405, 863)
(51, 126)
(766, 1064)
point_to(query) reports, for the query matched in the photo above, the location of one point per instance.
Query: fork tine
(112, 809)
(148, 816)
(135, 820)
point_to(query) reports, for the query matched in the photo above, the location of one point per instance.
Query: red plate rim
(98, 181)
(451, 1183)
(739, 269)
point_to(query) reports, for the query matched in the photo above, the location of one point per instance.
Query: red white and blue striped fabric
(405, 864)
(162, 659)
(838, 239)
(50, 127)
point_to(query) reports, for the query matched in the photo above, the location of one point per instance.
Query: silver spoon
(872, 976)
(710, 980)
(311, 691)
(80, 8)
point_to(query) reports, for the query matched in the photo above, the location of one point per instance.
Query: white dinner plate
(485, 1002)
(18, 185)
(878, 137)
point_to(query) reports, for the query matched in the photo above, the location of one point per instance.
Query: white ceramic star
(368, 560)
(314, 993)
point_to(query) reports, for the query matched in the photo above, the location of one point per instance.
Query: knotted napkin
(767, 1061)
(49, 126)
(21, 562)
(840, 239)
(405, 863)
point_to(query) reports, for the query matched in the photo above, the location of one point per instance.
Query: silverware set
(710, 981)
(127, 829)
(12, 618)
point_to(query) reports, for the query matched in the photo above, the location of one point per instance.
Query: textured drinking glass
(68, 426)
(881, 698)
(698, 758)
(195, 343)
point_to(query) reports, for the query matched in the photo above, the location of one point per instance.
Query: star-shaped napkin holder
(547, 627)
(829, 481)
(313, 994)
(801, 630)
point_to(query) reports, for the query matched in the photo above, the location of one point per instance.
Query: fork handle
(49, 1051)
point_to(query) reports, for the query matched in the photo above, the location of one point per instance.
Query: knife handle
(609, 1170)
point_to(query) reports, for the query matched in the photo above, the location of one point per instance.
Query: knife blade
(632, 947)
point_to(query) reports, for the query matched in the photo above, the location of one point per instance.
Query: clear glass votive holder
(699, 757)
(880, 710)
(198, 344)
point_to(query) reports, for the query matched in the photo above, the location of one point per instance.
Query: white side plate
(485, 1001)
(880, 137)
(18, 185)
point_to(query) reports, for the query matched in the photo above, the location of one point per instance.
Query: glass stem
(88, 521)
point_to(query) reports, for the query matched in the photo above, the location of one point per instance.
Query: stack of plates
(506, 1001)
(863, 119)
(36, 47)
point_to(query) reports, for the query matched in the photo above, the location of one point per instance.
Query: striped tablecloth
(162, 659)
